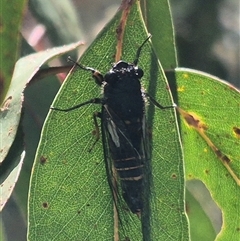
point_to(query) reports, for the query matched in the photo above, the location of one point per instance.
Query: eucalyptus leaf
(158, 19)
(9, 39)
(216, 104)
(69, 195)
(11, 110)
(8, 185)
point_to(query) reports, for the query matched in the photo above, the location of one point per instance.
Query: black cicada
(123, 126)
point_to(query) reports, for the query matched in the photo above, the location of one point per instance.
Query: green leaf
(8, 185)
(158, 19)
(11, 110)
(216, 104)
(200, 210)
(9, 39)
(10, 114)
(69, 195)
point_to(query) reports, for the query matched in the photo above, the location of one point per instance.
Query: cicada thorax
(123, 120)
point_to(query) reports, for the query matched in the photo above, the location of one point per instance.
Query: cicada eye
(139, 73)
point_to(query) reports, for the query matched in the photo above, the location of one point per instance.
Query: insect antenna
(135, 62)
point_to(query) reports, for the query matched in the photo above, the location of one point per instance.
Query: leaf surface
(9, 39)
(11, 109)
(69, 194)
(216, 106)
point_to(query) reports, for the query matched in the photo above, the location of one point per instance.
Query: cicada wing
(117, 144)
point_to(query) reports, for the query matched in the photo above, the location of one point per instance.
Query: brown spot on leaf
(221, 156)
(236, 131)
(192, 119)
(6, 104)
(10, 131)
(174, 176)
(119, 30)
(45, 205)
(43, 160)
